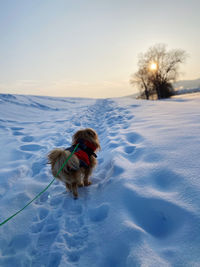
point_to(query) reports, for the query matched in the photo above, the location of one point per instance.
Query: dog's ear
(97, 143)
(91, 133)
(92, 136)
(76, 136)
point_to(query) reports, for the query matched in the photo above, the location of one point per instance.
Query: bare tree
(157, 70)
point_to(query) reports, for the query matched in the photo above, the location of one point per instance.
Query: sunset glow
(153, 66)
(90, 48)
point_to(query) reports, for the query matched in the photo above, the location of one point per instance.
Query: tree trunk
(146, 90)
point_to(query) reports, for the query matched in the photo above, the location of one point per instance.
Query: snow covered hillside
(143, 208)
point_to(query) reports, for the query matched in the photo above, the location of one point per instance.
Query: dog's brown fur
(77, 176)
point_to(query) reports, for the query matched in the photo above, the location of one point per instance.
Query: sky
(90, 48)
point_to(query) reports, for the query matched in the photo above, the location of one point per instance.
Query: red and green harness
(83, 152)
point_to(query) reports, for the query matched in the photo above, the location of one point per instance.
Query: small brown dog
(79, 167)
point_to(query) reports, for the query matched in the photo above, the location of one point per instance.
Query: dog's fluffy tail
(57, 157)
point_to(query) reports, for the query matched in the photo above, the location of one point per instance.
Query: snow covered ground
(143, 208)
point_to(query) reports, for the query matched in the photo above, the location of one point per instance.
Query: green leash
(42, 190)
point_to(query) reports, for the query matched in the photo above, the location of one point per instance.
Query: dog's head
(87, 134)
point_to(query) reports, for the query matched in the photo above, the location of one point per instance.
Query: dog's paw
(75, 196)
(81, 185)
(87, 183)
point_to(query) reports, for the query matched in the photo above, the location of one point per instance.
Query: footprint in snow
(47, 237)
(18, 155)
(73, 256)
(38, 222)
(27, 138)
(74, 224)
(113, 145)
(17, 243)
(134, 106)
(37, 227)
(56, 201)
(100, 161)
(125, 126)
(77, 123)
(72, 207)
(130, 117)
(3, 127)
(129, 149)
(100, 213)
(42, 199)
(155, 216)
(165, 179)
(113, 134)
(32, 147)
(16, 128)
(133, 138)
(17, 133)
(51, 227)
(76, 232)
(76, 240)
(119, 109)
(55, 259)
(43, 213)
(137, 155)
(116, 170)
(37, 167)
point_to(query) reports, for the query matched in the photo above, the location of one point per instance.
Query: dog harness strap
(81, 155)
(84, 151)
(87, 146)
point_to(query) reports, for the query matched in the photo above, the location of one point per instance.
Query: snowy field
(143, 208)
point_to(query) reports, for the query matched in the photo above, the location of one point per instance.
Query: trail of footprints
(115, 120)
(164, 223)
(64, 231)
(71, 241)
(60, 226)
(73, 215)
(67, 243)
(163, 214)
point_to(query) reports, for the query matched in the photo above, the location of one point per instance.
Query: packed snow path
(143, 206)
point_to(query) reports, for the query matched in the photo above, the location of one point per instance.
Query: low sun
(153, 66)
